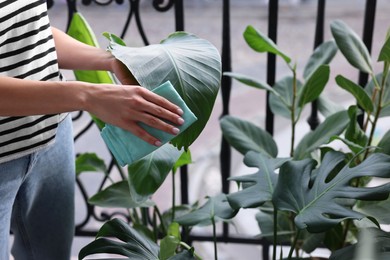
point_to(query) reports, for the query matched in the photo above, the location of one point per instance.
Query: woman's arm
(124, 106)
(86, 57)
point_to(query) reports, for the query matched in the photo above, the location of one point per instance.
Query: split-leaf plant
(322, 194)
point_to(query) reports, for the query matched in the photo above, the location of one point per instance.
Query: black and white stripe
(26, 52)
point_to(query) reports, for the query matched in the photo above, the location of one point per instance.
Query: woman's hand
(125, 106)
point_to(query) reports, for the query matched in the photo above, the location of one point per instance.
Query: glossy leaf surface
(191, 64)
(314, 198)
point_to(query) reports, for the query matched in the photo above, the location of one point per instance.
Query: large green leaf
(261, 43)
(131, 243)
(333, 125)
(191, 64)
(257, 188)
(215, 209)
(314, 85)
(244, 136)
(351, 46)
(357, 91)
(148, 174)
(322, 55)
(315, 198)
(118, 196)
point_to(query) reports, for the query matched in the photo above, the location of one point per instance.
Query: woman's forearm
(73, 54)
(21, 97)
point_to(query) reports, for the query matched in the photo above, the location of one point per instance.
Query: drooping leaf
(148, 174)
(322, 55)
(252, 82)
(314, 85)
(261, 43)
(132, 244)
(118, 196)
(282, 104)
(191, 64)
(90, 162)
(333, 125)
(357, 91)
(315, 200)
(215, 209)
(244, 136)
(351, 46)
(258, 187)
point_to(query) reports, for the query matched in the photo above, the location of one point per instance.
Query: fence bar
(313, 119)
(368, 32)
(271, 60)
(226, 86)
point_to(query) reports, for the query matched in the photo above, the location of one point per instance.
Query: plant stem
(293, 121)
(186, 246)
(215, 238)
(275, 233)
(163, 227)
(379, 106)
(294, 244)
(173, 196)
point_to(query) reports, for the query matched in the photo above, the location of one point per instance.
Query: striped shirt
(27, 51)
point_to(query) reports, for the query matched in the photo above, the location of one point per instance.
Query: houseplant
(318, 189)
(313, 198)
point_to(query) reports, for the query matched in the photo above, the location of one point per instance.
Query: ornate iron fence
(134, 15)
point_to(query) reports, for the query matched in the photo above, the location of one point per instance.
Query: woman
(36, 148)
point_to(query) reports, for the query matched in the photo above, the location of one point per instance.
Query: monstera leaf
(191, 64)
(316, 198)
(258, 187)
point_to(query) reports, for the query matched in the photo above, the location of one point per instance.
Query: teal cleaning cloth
(127, 148)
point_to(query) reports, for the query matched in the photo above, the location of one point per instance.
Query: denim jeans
(37, 201)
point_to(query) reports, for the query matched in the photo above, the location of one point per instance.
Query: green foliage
(133, 245)
(178, 58)
(315, 197)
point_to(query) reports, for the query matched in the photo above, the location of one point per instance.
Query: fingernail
(157, 143)
(180, 121)
(175, 130)
(180, 111)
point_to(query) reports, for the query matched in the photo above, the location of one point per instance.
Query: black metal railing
(134, 15)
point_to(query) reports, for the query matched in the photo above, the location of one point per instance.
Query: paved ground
(203, 17)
